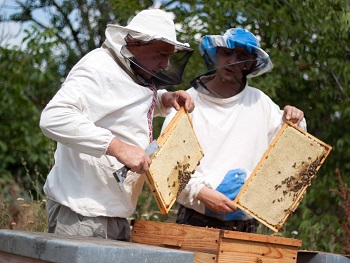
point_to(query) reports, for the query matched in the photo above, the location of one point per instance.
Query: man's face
(227, 56)
(154, 56)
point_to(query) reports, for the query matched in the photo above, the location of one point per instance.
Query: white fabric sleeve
(65, 118)
(159, 109)
(188, 196)
(193, 187)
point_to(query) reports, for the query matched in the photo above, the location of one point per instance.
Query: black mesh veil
(172, 75)
(260, 62)
(248, 67)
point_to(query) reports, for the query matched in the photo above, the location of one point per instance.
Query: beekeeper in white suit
(234, 123)
(101, 119)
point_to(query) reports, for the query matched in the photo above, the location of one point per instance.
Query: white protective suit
(98, 101)
(234, 133)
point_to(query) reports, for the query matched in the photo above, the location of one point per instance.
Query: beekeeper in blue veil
(235, 124)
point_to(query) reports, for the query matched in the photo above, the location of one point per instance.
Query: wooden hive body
(173, 164)
(279, 181)
(216, 245)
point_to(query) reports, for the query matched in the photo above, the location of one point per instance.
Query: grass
(19, 210)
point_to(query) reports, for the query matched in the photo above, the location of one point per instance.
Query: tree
(25, 78)
(78, 26)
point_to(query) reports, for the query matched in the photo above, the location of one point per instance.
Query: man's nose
(164, 64)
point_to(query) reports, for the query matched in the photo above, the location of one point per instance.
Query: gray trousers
(63, 221)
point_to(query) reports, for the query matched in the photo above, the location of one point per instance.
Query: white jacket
(234, 133)
(98, 101)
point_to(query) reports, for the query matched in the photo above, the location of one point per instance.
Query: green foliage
(343, 192)
(25, 76)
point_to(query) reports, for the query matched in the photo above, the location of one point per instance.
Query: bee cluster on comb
(174, 163)
(282, 176)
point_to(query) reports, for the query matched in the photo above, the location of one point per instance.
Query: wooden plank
(176, 160)
(244, 251)
(13, 258)
(279, 181)
(183, 237)
(261, 238)
(200, 257)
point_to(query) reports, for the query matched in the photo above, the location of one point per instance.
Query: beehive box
(216, 245)
(176, 160)
(279, 181)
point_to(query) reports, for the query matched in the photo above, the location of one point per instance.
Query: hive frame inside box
(216, 245)
(176, 160)
(276, 186)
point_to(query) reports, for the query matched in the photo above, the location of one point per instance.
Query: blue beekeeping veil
(233, 38)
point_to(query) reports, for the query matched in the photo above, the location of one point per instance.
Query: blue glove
(230, 187)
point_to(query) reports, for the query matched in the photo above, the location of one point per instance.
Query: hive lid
(276, 186)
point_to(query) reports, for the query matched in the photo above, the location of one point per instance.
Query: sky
(10, 32)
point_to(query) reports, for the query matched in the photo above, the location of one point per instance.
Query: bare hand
(216, 201)
(131, 156)
(292, 114)
(177, 99)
